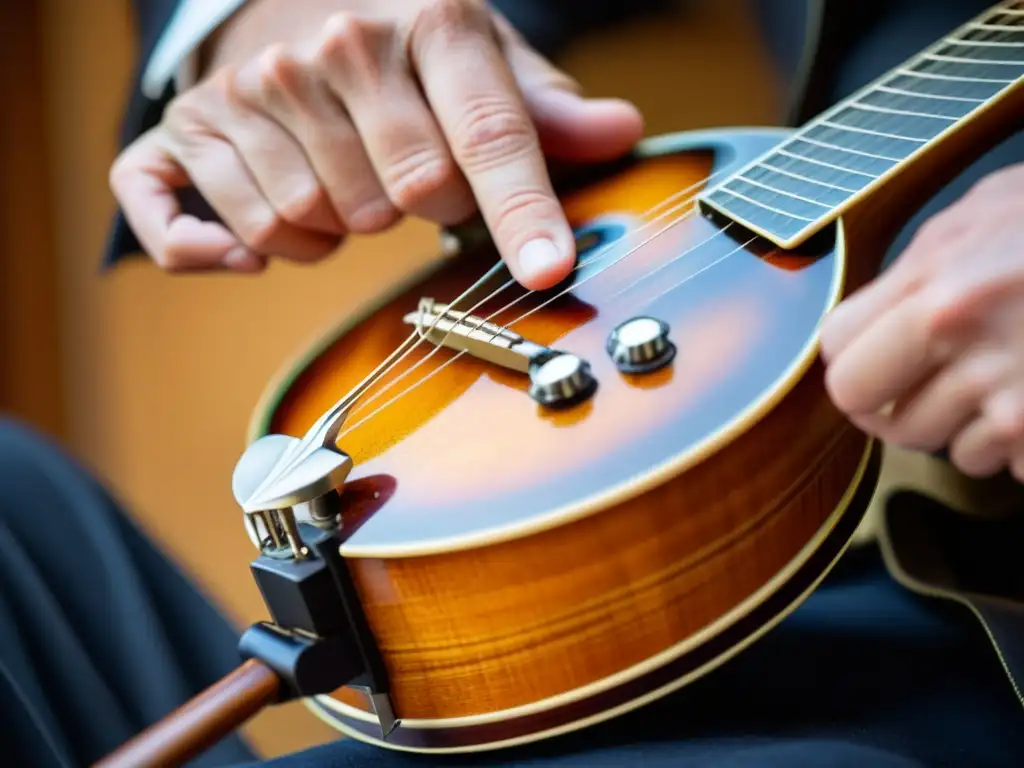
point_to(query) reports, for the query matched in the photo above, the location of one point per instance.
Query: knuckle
(355, 50)
(419, 175)
(342, 30)
(444, 19)
(185, 121)
(975, 384)
(520, 209)
(121, 171)
(349, 46)
(978, 377)
(180, 112)
(300, 203)
(259, 231)
(492, 131)
(276, 72)
(1010, 427)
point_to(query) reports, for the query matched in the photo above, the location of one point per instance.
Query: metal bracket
(319, 639)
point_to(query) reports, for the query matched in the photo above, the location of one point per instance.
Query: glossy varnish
(516, 564)
(524, 572)
(512, 559)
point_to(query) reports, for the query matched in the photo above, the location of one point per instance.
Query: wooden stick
(201, 722)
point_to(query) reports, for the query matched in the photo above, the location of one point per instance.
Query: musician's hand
(319, 118)
(931, 355)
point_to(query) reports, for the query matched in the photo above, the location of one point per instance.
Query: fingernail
(538, 257)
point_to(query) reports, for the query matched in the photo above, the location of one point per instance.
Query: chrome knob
(561, 380)
(641, 345)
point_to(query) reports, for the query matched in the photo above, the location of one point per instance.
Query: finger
(279, 169)
(221, 176)
(367, 68)
(493, 140)
(569, 126)
(144, 180)
(289, 90)
(888, 358)
(1005, 412)
(930, 415)
(977, 451)
(855, 313)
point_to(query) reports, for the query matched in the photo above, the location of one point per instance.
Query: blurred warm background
(151, 379)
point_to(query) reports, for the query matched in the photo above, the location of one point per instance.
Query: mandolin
(534, 511)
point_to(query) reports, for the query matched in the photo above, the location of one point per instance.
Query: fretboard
(847, 152)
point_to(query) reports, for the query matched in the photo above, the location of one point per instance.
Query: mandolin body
(526, 572)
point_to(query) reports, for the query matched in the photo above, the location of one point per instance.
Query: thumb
(570, 127)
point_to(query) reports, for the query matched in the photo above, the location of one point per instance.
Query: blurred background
(150, 379)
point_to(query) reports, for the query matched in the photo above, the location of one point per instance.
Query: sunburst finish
(524, 572)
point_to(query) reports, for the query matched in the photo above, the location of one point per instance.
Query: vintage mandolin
(531, 512)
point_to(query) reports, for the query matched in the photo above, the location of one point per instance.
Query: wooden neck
(887, 129)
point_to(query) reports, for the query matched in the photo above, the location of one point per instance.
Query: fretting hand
(931, 355)
(319, 118)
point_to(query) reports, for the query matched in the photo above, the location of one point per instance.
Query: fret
(861, 141)
(921, 95)
(950, 110)
(865, 105)
(854, 160)
(962, 55)
(795, 189)
(968, 53)
(1010, 17)
(773, 201)
(981, 43)
(1002, 83)
(766, 219)
(889, 123)
(809, 190)
(1006, 37)
(824, 197)
(1006, 73)
(845, 127)
(774, 169)
(1000, 27)
(938, 85)
(818, 169)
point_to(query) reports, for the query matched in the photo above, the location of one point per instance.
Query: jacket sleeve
(170, 31)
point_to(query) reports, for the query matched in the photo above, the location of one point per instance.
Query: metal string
(598, 256)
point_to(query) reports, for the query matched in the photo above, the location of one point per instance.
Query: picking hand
(321, 118)
(931, 355)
